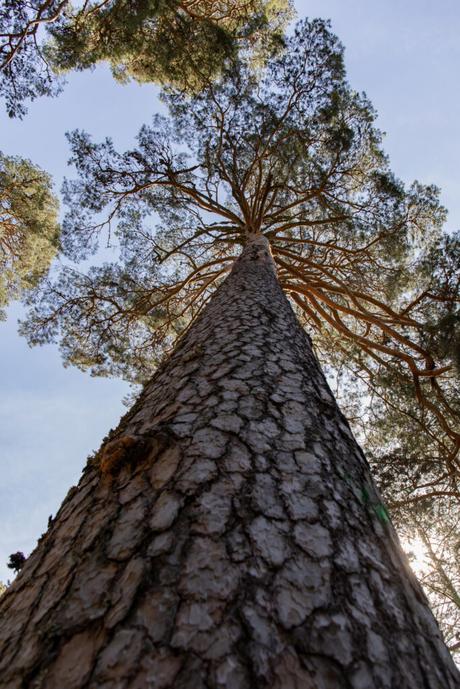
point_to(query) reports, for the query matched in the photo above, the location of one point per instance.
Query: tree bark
(228, 534)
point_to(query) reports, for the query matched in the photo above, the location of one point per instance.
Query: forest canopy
(178, 42)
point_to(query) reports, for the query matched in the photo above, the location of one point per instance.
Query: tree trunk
(228, 534)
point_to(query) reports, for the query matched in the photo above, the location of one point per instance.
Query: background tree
(173, 42)
(435, 532)
(29, 230)
(424, 501)
(429, 527)
(25, 72)
(164, 41)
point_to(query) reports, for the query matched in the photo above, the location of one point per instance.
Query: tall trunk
(228, 534)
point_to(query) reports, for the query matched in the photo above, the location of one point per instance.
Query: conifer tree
(294, 155)
(25, 73)
(29, 231)
(228, 533)
(180, 42)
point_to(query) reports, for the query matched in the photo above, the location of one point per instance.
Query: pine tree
(228, 533)
(29, 231)
(25, 73)
(180, 42)
(292, 153)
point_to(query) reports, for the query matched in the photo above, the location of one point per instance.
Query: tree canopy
(29, 230)
(25, 73)
(174, 42)
(180, 42)
(292, 152)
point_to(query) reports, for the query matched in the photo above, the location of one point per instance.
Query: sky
(405, 54)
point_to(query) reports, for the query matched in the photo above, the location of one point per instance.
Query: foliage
(16, 561)
(291, 152)
(178, 42)
(29, 232)
(183, 42)
(24, 70)
(442, 323)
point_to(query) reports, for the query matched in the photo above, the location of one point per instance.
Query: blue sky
(404, 53)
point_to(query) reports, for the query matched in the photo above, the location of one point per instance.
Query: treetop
(290, 151)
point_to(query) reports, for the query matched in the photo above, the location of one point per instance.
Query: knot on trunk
(133, 450)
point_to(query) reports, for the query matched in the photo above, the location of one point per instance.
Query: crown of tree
(180, 42)
(29, 231)
(290, 152)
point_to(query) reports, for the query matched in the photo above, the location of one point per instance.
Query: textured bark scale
(228, 536)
